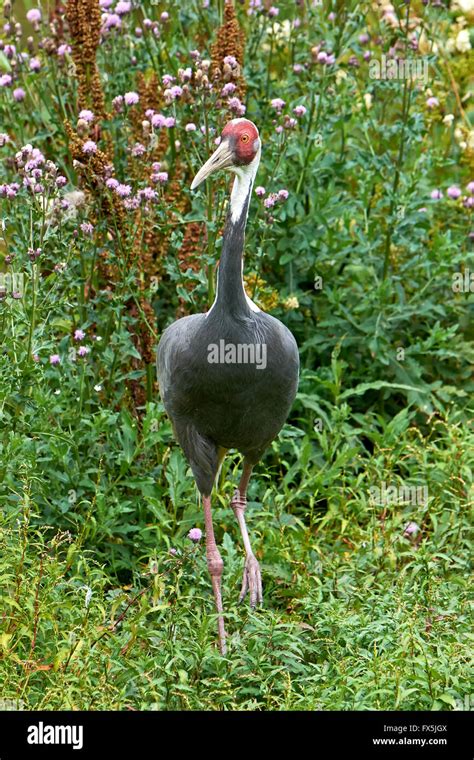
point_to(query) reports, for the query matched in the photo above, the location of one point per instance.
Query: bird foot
(252, 582)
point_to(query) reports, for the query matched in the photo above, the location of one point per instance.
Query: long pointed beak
(222, 158)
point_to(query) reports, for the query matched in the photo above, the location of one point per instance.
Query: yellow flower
(291, 303)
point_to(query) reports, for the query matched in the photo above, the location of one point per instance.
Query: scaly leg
(215, 566)
(252, 579)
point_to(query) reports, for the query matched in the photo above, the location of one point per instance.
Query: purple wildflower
(79, 334)
(158, 121)
(432, 102)
(260, 191)
(236, 106)
(19, 94)
(283, 194)
(278, 104)
(228, 89)
(131, 98)
(34, 15)
(123, 191)
(122, 7)
(89, 147)
(299, 110)
(195, 534)
(64, 50)
(190, 127)
(35, 64)
(436, 195)
(83, 350)
(5, 80)
(54, 359)
(138, 150)
(86, 115)
(453, 192)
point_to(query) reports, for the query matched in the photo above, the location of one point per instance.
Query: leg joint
(215, 564)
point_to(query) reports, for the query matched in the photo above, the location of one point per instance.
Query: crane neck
(231, 294)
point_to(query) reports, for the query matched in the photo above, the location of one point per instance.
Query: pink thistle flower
(131, 98)
(164, 16)
(148, 193)
(236, 106)
(117, 103)
(89, 147)
(283, 194)
(64, 50)
(5, 80)
(112, 20)
(322, 57)
(170, 122)
(83, 350)
(436, 195)
(19, 94)
(195, 534)
(122, 7)
(86, 115)
(160, 177)
(411, 529)
(34, 15)
(111, 183)
(167, 80)
(432, 102)
(158, 121)
(138, 150)
(470, 188)
(4, 139)
(298, 68)
(228, 89)
(79, 334)
(190, 127)
(35, 64)
(230, 60)
(299, 110)
(278, 104)
(87, 228)
(270, 201)
(273, 11)
(54, 359)
(123, 191)
(260, 191)
(453, 192)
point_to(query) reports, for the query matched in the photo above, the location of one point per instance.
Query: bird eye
(244, 138)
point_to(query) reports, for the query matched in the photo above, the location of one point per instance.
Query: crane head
(239, 146)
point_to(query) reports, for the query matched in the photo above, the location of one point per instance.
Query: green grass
(356, 616)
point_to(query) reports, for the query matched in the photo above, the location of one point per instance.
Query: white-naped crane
(228, 377)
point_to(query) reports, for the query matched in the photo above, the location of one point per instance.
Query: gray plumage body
(224, 406)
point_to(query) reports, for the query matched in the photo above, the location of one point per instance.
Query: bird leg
(252, 579)
(215, 566)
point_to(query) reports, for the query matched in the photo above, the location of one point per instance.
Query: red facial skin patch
(244, 135)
